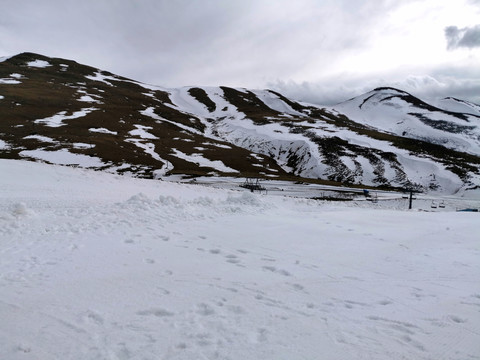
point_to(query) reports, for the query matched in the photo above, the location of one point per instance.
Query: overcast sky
(322, 51)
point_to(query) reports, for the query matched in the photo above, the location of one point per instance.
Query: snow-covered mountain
(455, 125)
(457, 105)
(58, 111)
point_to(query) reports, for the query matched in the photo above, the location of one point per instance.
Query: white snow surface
(199, 159)
(457, 105)
(88, 98)
(150, 111)
(82, 146)
(98, 76)
(100, 266)
(141, 131)
(41, 138)
(58, 119)
(274, 102)
(16, 76)
(147, 147)
(63, 157)
(8, 81)
(103, 131)
(38, 64)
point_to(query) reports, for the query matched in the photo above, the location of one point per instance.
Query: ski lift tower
(411, 197)
(252, 185)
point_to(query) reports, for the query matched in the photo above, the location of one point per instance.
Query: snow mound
(20, 209)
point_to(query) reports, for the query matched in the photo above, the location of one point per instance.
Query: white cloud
(443, 82)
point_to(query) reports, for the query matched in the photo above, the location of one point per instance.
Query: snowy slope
(457, 105)
(398, 112)
(319, 148)
(99, 266)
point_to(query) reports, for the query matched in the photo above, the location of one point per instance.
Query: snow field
(57, 119)
(99, 266)
(39, 64)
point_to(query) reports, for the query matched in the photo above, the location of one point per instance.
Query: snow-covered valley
(102, 266)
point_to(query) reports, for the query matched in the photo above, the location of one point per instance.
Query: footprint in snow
(205, 309)
(24, 348)
(93, 317)
(157, 312)
(163, 290)
(298, 287)
(204, 339)
(275, 270)
(236, 309)
(352, 278)
(233, 259)
(385, 302)
(349, 304)
(262, 335)
(457, 319)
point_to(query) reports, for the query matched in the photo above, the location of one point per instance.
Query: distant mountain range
(58, 111)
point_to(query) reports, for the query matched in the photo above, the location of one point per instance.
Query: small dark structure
(253, 185)
(409, 192)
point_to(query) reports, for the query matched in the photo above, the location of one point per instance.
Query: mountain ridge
(70, 113)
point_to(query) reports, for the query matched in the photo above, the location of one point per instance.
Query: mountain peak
(25, 57)
(387, 88)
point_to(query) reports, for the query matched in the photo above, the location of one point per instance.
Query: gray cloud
(468, 37)
(244, 43)
(194, 42)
